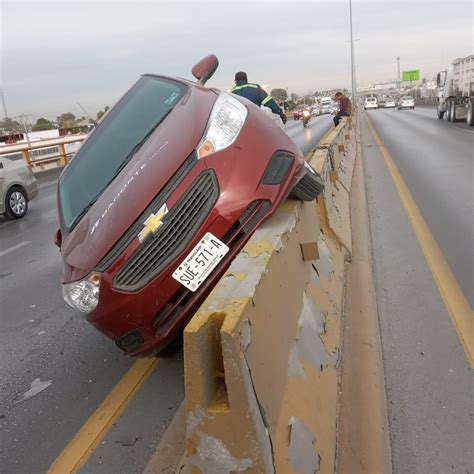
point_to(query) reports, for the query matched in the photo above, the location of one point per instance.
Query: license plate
(200, 262)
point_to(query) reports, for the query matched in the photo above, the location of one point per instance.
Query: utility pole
(85, 111)
(398, 71)
(353, 70)
(5, 113)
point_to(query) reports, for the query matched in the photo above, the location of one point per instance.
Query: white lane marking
(15, 247)
(464, 130)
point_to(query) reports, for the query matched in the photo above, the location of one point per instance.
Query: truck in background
(326, 105)
(456, 91)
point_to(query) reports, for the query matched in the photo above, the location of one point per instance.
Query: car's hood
(138, 183)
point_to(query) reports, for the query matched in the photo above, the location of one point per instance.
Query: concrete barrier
(262, 352)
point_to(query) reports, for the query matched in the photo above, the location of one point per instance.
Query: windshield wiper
(76, 220)
(118, 170)
(136, 148)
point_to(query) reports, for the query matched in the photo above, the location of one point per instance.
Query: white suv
(370, 103)
(406, 102)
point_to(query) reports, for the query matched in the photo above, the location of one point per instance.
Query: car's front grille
(179, 227)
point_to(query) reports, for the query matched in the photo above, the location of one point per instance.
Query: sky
(56, 54)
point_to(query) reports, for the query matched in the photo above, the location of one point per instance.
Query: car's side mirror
(205, 68)
(58, 238)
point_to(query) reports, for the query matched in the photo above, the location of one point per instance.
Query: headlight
(306, 113)
(83, 295)
(227, 119)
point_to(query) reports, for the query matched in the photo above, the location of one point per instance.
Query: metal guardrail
(60, 159)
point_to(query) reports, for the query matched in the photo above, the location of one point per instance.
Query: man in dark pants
(345, 107)
(255, 94)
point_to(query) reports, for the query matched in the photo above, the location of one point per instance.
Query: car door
(3, 178)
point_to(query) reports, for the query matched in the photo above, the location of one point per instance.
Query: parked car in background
(406, 102)
(161, 197)
(18, 185)
(370, 103)
(389, 104)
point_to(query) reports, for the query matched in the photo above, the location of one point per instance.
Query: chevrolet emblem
(153, 223)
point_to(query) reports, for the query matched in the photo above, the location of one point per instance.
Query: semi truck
(456, 91)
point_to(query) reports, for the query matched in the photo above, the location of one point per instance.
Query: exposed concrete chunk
(309, 345)
(324, 264)
(246, 335)
(194, 420)
(214, 458)
(301, 453)
(294, 366)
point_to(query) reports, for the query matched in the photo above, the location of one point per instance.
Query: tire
(16, 203)
(440, 114)
(450, 111)
(309, 186)
(453, 116)
(470, 113)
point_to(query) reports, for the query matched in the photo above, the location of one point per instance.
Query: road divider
(262, 353)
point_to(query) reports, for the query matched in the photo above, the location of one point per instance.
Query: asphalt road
(55, 369)
(427, 373)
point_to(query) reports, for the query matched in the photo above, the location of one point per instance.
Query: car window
(113, 142)
(13, 156)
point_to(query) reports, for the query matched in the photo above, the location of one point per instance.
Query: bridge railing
(45, 154)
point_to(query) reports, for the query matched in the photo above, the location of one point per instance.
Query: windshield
(113, 143)
(407, 98)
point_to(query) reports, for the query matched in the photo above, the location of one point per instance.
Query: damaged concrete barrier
(261, 354)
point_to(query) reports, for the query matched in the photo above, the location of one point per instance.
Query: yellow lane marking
(76, 453)
(458, 307)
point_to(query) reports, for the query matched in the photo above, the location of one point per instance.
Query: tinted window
(114, 142)
(13, 156)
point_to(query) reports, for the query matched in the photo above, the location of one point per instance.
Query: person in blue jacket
(255, 94)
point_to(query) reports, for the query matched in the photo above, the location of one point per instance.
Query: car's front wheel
(309, 186)
(16, 203)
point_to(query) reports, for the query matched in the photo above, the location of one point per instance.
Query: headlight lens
(83, 295)
(227, 119)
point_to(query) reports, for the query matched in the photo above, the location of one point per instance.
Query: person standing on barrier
(255, 94)
(345, 107)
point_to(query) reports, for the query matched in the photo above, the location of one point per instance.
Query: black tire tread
(308, 187)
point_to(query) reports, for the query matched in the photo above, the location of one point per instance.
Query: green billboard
(413, 75)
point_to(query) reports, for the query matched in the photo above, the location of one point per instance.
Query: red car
(161, 197)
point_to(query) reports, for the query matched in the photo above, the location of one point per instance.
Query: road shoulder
(363, 435)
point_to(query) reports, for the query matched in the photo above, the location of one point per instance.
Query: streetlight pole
(353, 71)
(398, 71)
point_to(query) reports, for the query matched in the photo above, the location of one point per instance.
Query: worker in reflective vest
(255, 94)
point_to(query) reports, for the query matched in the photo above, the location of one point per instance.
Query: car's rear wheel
(309, 186)
(470, 113)
(16, 203)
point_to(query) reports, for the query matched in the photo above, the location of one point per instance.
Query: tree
(294, 97)
(10, 125)
(42, 124)
(280, 95)
(67, 120)
(100, 114)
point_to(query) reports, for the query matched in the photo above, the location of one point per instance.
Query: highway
(427, 371)
(55, 369)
